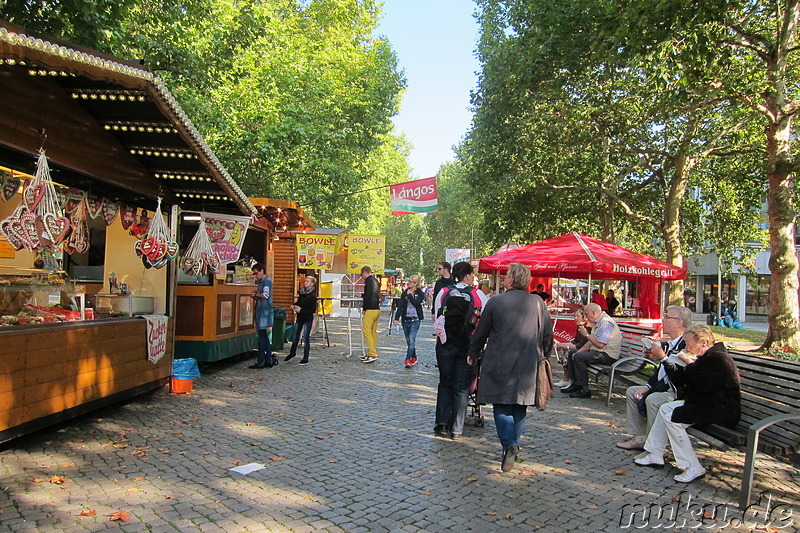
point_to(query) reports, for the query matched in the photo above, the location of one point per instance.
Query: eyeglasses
(672, 318)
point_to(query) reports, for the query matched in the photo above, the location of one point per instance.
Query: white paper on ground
(248, 468)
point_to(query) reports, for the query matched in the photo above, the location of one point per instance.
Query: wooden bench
(631, 359)
(770, 419)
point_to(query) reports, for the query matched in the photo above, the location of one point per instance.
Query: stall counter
(214, 322)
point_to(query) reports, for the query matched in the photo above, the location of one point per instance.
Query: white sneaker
(690, 474)
(649, 459)
(563, 383)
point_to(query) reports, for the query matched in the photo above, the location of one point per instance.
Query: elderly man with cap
(603, 346)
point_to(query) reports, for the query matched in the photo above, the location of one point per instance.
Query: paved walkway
(349, 447)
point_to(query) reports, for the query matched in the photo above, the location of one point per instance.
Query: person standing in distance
(371, 309)
(263, 297)
(409, 313)
(445, 280)
(518, 330)
(305, 307)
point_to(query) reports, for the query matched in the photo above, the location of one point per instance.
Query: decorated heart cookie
(110, 211)
(12, 231)
(56, 226)
(29, 231)
(127, 216)
(94, 206)
(74, 198)
(9, 187)
(32, 195)
(172, 249)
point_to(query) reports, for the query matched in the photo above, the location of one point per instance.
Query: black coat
(307, 304)
(712, 390)
(416, 298)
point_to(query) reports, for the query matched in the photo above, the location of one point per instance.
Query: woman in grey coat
(518, 329)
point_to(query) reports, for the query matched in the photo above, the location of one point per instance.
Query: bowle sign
(418, 196)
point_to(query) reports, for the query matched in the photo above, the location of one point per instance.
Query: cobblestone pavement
(349, 447)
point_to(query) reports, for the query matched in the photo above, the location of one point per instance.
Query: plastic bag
(185, 368)
(278, 313)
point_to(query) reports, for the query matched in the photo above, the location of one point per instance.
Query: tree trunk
(672, 224)
(783, 313)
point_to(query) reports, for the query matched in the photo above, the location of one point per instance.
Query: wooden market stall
(116, 142)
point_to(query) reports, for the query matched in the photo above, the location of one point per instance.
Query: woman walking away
(409, 313)
(304, 308)
(517, 326)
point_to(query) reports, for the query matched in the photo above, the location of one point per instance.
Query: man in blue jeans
(264, 318)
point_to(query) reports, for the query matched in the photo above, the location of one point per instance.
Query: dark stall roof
(111, 126)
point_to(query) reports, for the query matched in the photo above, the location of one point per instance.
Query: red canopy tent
(578, 256)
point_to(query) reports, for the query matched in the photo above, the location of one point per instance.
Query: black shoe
(583, 393)
(455, 436)
(440, 429)
(275, 362)
(303, 362)
(571, 388)
(257, 366)
(509, 458)
(288, 357)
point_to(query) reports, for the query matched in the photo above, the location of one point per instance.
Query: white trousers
(665, 431)
(637, 425)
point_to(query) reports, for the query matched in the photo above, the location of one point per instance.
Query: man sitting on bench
(603, 347)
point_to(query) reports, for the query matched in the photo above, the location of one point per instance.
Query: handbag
(544, 376)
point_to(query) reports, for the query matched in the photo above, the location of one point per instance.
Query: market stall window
(88, 266)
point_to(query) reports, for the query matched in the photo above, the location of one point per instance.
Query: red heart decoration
(147, 246)
(32, 195)
(128, 216)
(158, 251)
(137, 247)
(10, 186)
(94, 206)
(110, 211)
(215, 234)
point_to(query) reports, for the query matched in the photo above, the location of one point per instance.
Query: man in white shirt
(643, 402)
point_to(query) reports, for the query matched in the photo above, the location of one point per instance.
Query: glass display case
(38, 296)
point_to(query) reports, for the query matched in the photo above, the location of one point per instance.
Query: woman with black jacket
(305, 307)
(409, 312)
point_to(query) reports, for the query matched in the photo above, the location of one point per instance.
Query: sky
(434, 41)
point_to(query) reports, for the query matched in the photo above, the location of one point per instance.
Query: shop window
(757, 299)
(88, 266)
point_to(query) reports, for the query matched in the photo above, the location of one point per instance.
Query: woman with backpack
(409, 313)
(460, 305)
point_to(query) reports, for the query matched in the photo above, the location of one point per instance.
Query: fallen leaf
(591, 506)
(254, 443)
(309, 497)
(37, 480)
(611, 424)
(560, 471)
(490, 513)
(120, 515)
(333, 460)
(133, 489)
(280, 415)
(120, 446)
(208, 453)
(676, 499)
(58, 480)
(230, 384)
(471, 479)
(620, 472)
(88, 512)
(177, 432)
(67, 464)
(276, 458)
(236, 463)
(567, 462)
(319, 437)
(250, 424)
(260, 378)
(48, 442)
(708, 515)
(426, 492)
(170, 497)
(527, 473)
(309, 419)
(509, 517)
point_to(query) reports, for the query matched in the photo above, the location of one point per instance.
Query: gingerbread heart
(56, 226)
(12, 230)
(32, 195)
(110, 211)
(10, 187)
(128, 216)
(158, 253)
(81, 246)
(147, 246)
(172, 249)
(161, 263)
(146, 262)
(137, 247)
(188, 262)
(199, 267)
(29, 231)
(74, 198)
(94, 206)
